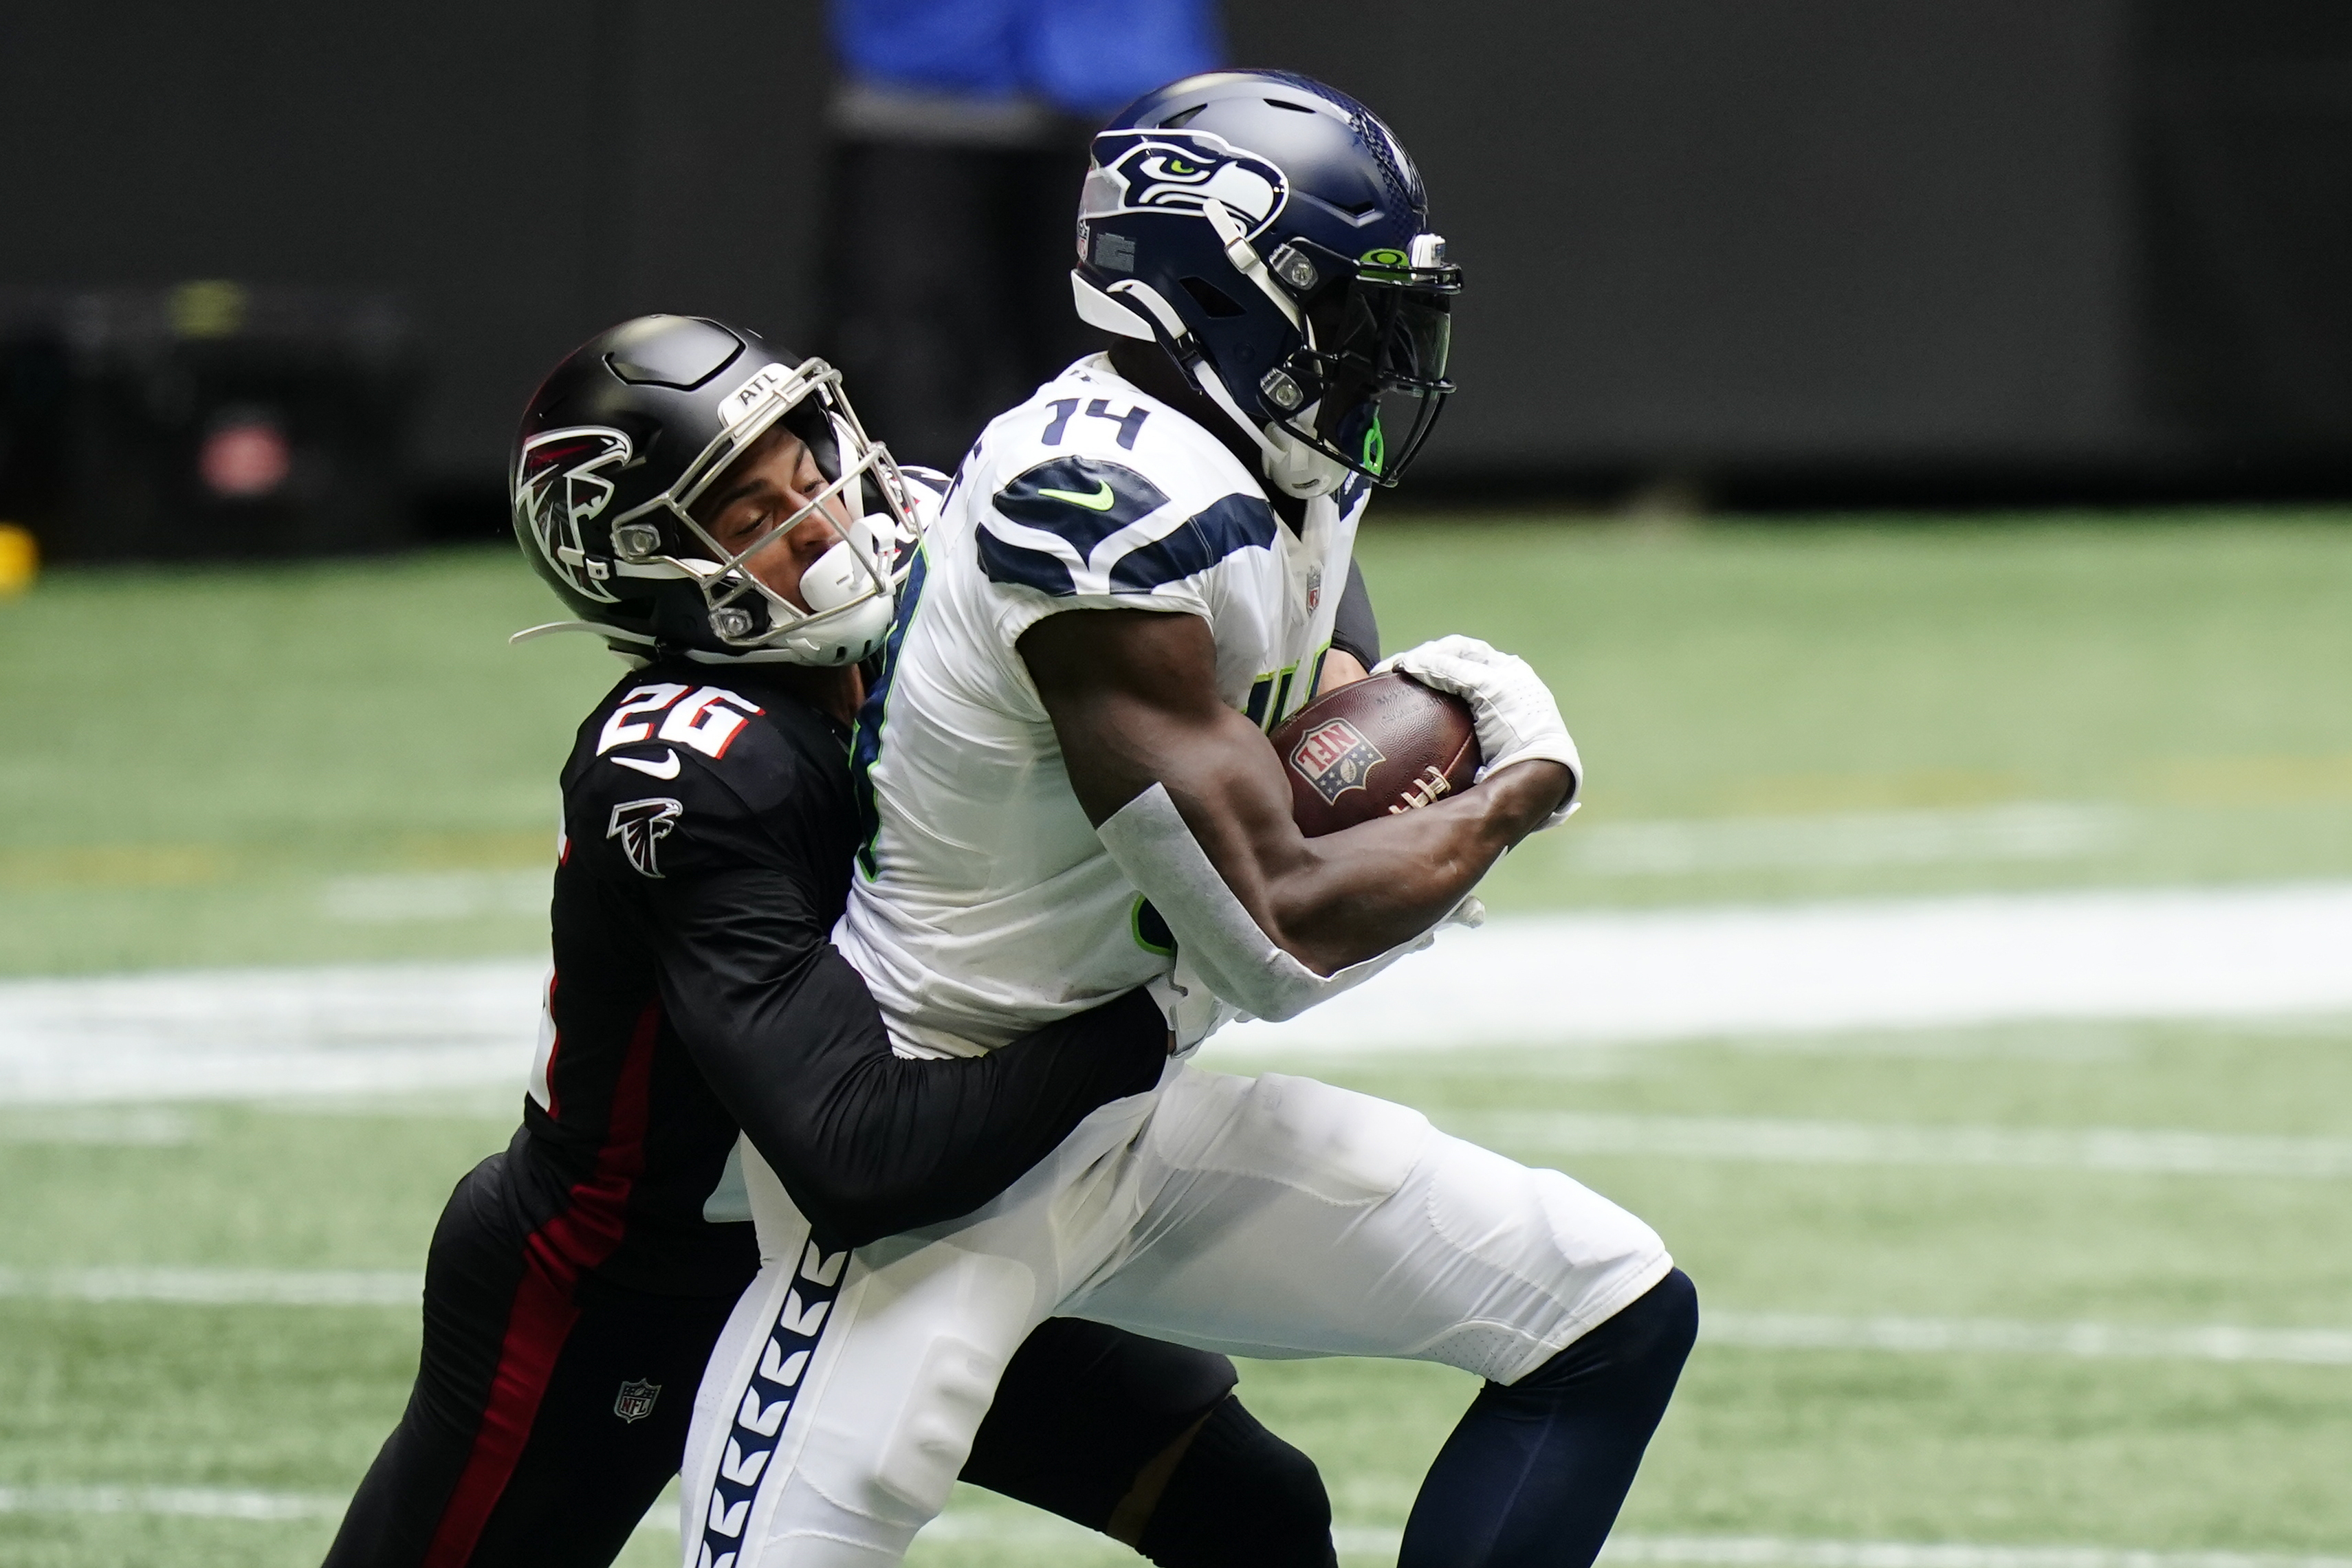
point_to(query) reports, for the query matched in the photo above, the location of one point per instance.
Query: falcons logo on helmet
(560, 482)
(641, 826)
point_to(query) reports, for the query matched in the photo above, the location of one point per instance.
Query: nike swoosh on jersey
(1102, 500)
(1081, 501)
(665, 768)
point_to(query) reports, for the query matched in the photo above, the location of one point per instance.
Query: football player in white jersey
(1070, 795)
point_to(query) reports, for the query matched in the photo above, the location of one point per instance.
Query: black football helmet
(625, 435)
(1272, 236)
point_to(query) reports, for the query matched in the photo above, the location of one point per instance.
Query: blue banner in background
(1087, 57)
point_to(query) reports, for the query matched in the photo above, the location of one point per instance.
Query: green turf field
(346, 762)
(242, 766)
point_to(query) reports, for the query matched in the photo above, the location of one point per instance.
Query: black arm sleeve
(869, 1144)
(1356, 629)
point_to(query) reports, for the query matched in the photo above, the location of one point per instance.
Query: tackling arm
(1133, 695)
(869, 1144)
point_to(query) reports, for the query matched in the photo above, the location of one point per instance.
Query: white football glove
(1517, 719)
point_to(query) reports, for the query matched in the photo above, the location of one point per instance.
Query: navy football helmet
(1272, 234)
(626, 434)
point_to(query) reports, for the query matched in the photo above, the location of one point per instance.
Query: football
(1375, 747)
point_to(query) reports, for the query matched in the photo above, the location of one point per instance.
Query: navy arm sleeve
(869, 1144)
(1355, 629)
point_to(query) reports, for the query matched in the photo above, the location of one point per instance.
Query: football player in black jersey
(710, 506)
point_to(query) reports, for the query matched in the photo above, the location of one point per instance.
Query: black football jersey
(708, 828)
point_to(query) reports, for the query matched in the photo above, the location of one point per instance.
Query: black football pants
(547, 1418)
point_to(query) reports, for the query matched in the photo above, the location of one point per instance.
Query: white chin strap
(1096, 309)
(1296, 469)
(1130, 306)
(834, 582)
(844, 639)
(840, 628)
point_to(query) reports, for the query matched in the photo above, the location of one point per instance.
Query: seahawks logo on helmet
(1180, 172)
(561, 482)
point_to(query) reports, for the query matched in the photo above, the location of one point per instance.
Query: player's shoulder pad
(1110, 495)
(672, 771)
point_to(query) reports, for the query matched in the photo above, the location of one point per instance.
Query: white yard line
(1931, 1337)
(247, 1034)
(198, 1503)
(1381, 1542)
(2027, 830)
(1762, 1330)
(1685, 974)
(2129, 1150)
(1772, 1551)
(133, 1127)
(220, 1287)
(999, 1526)
(2245, 953)
(1006, 1526)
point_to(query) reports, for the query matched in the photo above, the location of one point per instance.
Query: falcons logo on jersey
(561, 481)
(641, 826)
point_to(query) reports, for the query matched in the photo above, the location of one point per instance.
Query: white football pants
(1266, 1216)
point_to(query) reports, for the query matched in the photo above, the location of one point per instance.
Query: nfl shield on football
(1375, 747)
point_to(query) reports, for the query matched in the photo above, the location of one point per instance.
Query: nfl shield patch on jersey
(636, 1400)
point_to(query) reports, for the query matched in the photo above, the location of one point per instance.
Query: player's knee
(1242, 1498)
(1641, 1350)
(1662, 1325)
(1675, 1315)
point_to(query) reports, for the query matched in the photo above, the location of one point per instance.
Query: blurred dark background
(1766, 252)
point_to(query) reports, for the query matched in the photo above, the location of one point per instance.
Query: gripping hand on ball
(1516, 717)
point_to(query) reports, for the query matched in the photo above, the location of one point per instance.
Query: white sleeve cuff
(1214, 935)
(1563, 753)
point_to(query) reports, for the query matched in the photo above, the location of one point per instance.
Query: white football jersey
(984, 906)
